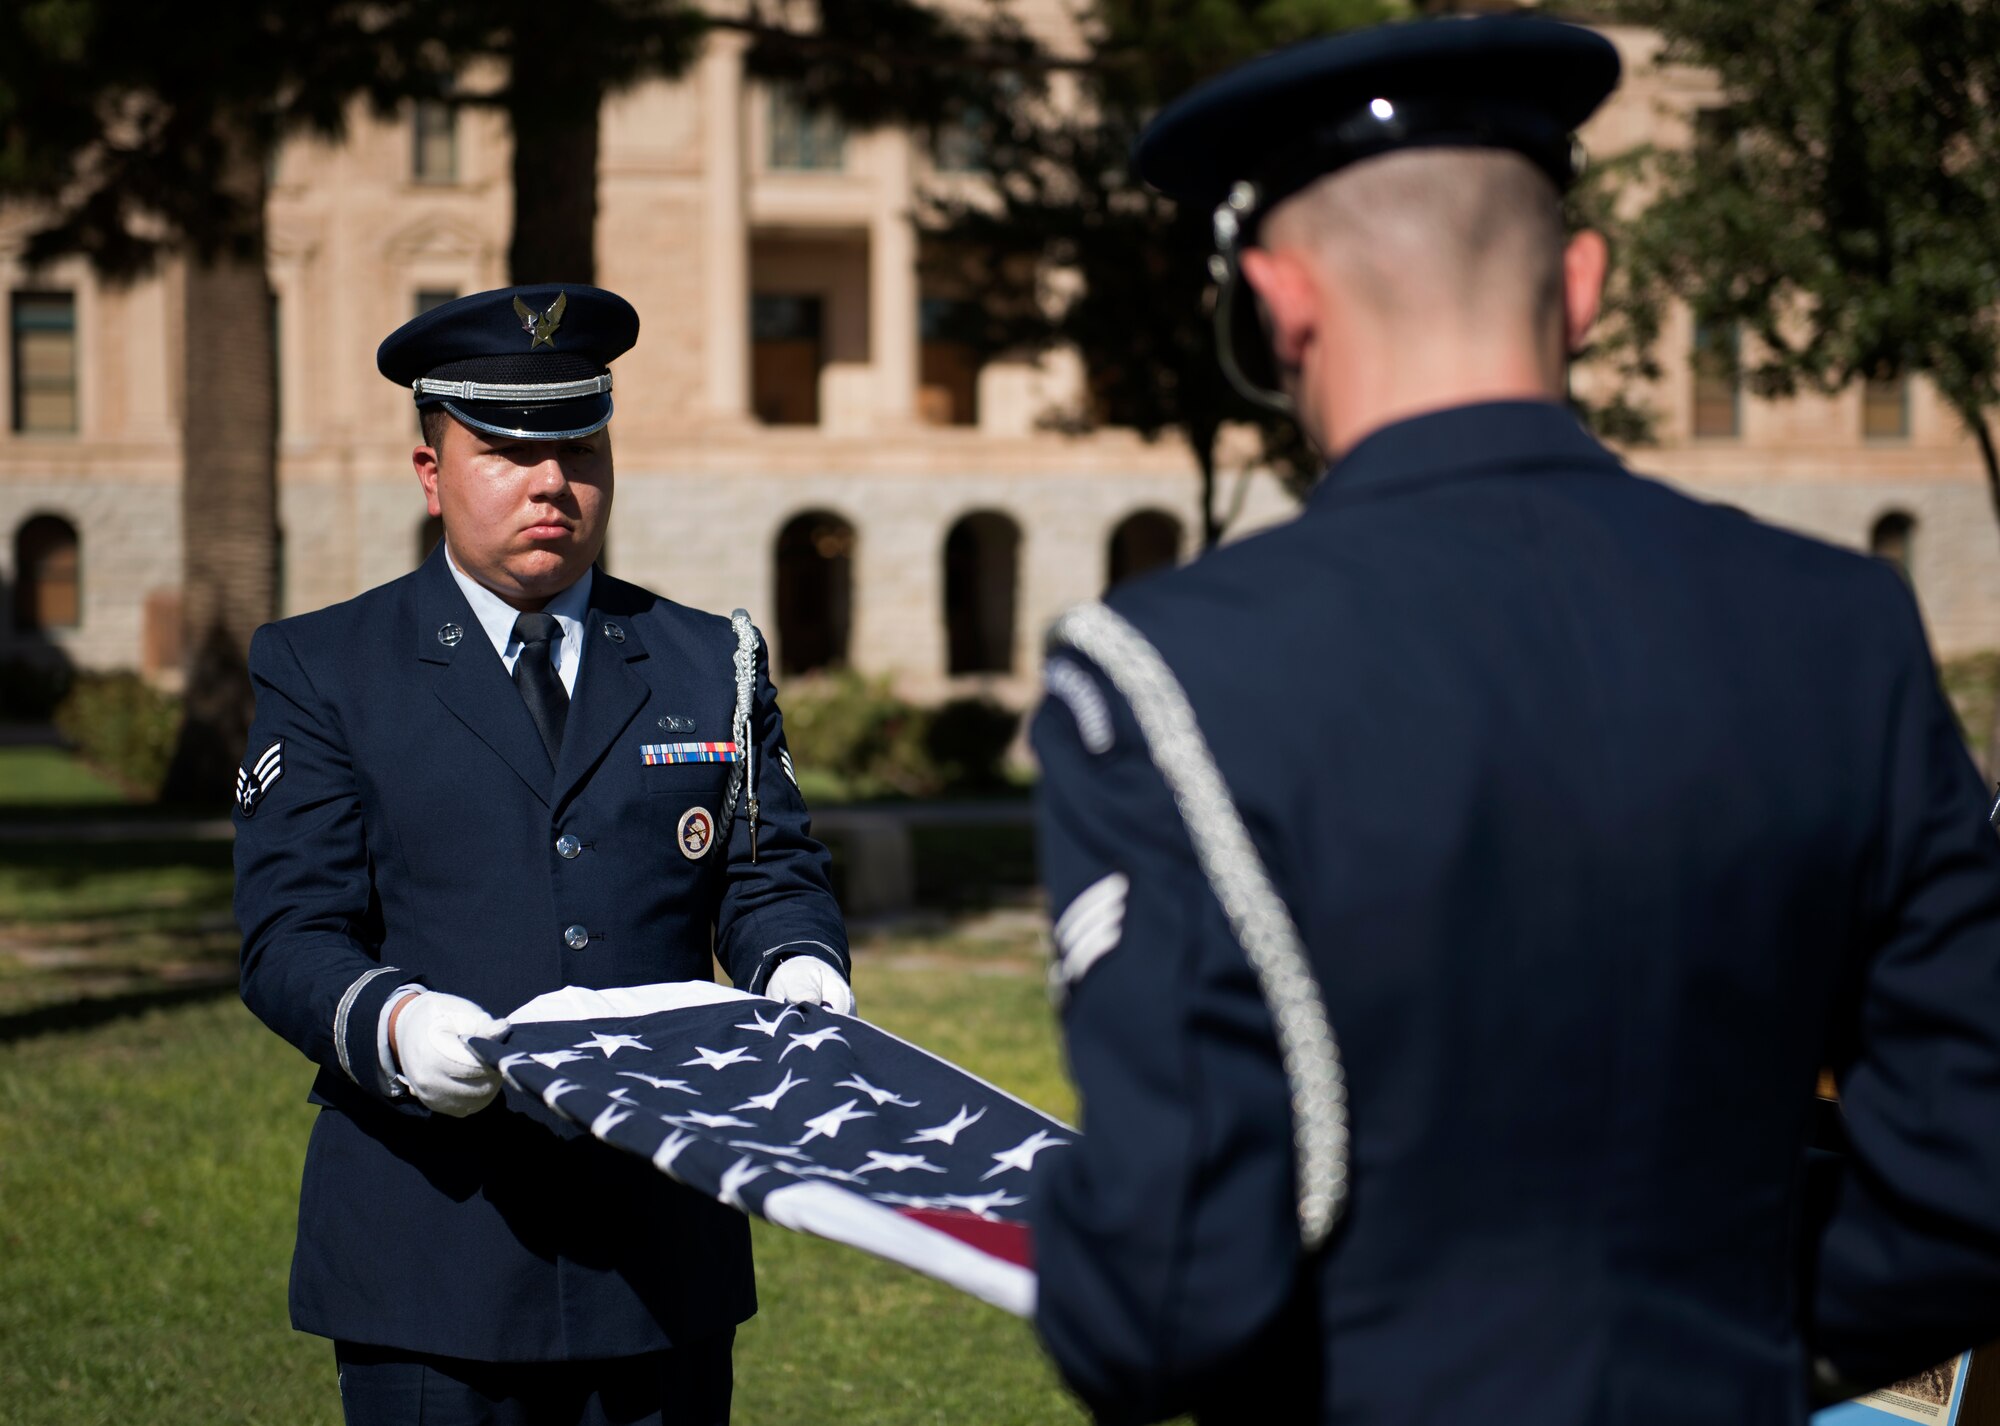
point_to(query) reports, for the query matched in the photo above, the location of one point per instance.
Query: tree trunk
(229, 493)
(1203, 440)
(1975, 420)
(555, 123)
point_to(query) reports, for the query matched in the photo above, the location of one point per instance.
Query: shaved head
(1468, 236)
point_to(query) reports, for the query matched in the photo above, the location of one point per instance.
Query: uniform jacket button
(576, 937)
(567, 846)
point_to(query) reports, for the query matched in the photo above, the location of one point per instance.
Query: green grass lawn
(79, 920)
(149, 1181)
(43, 777)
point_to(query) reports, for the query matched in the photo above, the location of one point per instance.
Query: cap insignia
(541, 326)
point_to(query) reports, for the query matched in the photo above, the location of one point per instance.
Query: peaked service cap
(518, 361)
(1516, 82)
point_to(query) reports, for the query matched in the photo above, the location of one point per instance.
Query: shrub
(854, 738)
(30, 689)
(122, 726)
(967, 742)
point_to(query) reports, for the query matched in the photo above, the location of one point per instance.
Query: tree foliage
(1842, 207)
(1070, 249)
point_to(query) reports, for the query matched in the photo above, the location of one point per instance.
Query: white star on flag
(610, 1119)
(770, 1027)
(784, 1150)
(947, 1132)
(611, 1044)
(1022, 1155)
(822, 1171)
(814, 1040)
(983, 1204)
(879, 1095)
(551, 1059)
(827, 1125)
(654, 1080)
(707, 1121)
(720, 1059)
(557, 1088)
(770, 1100)
(734, 1179)
(897, 1163)
(670, 1149)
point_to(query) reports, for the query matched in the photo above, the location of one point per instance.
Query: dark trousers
(688, 1386)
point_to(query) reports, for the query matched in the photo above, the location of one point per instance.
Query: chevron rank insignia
(254, 781)
(785, 762)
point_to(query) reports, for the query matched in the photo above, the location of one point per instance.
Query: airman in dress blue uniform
(1459, 888)
(505, 773)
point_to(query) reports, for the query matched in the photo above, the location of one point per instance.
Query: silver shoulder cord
(743, 777)
(1257, 915)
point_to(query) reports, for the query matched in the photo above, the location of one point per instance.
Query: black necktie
(535, 675)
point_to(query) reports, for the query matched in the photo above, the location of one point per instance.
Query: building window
(787, 350)
(429, 297)
(815, 594)
(1718, 386)
(44, 359)
(434, 141)
(1144, 541)
(48, 575)
(1894, 539)
(982, 559)
(810, 140)
(948, 385)
(1885, 407)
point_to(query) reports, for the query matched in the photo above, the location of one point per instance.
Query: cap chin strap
(1235, 219)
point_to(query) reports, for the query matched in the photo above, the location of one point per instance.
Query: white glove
(446, 1077)
(808, 980)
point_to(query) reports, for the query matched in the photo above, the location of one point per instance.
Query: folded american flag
(817, 1122)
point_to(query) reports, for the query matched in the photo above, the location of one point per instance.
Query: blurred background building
(795, 433)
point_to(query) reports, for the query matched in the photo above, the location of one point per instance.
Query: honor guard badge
(695, 833)
(254, 781)
(541, 326)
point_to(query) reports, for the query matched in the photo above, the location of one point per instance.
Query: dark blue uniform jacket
(1607, 819)
(412, 836)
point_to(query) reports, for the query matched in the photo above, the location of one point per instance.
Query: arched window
(428, 535)
(1894, 539)
(982, 559)
(48, 575)
(1145, 540)
(815, 595)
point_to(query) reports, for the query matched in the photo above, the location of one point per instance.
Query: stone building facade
(789, 439)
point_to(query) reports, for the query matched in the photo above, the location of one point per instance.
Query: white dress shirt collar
(496, 616)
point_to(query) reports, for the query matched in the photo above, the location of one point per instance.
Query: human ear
(424, 460)
(1585, 263)
(1290, 300)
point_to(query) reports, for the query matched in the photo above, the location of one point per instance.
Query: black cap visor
(548, 421)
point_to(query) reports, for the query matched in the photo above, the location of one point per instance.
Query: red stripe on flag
(1009, 1242)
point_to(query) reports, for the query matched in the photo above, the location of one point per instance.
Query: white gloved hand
(808, 980)
(430, 1037)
